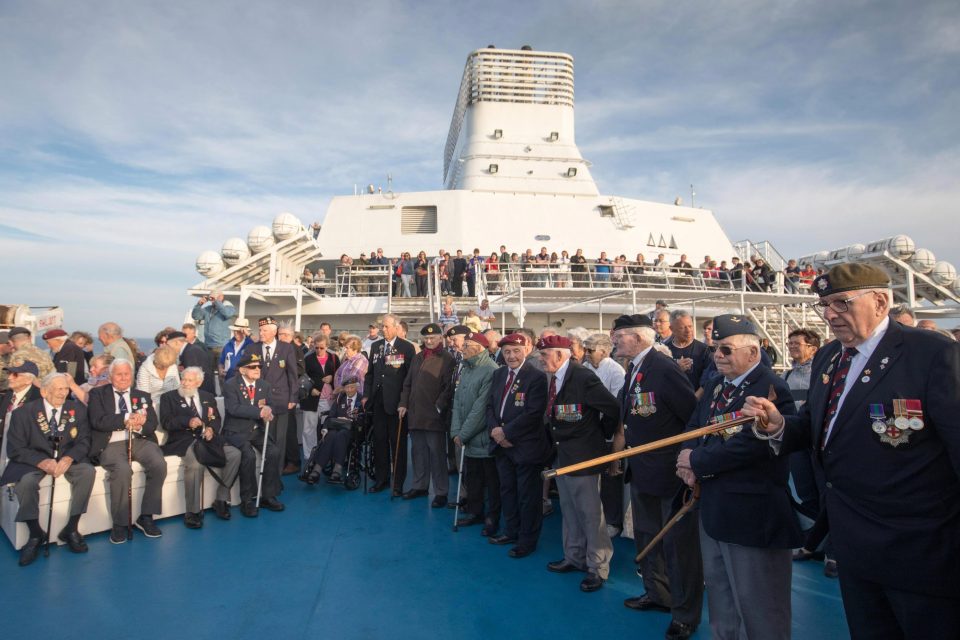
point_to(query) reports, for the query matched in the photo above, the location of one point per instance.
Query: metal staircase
(776, 322)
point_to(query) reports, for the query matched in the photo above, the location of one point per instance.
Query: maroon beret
(479, 338)
(553, 342)
(54, 333)
(515, 339)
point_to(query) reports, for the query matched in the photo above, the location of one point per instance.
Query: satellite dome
(923, 260)
(944, 273)
(285, 226)
(209, 263)
(260, 239)
(901, 246)
(234, 251)
(820, 259)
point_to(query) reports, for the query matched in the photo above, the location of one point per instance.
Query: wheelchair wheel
(351, 481)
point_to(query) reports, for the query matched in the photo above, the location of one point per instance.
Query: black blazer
(104, 419)
(522, 418)
(583, 435)
(194, 355)
(241, 413)
(28, 445)
(6, 398)
(176, 420)
(317, 374)
(894, 510)
(280, 375)
(387, 378)
(745, 499)
(673, 397)
(342, 407)
(70, 359)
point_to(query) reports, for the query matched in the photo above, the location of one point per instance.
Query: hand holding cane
(55, 440)
(456, 511)
(396, 459)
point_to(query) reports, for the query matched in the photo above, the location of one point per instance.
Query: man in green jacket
(468, 429)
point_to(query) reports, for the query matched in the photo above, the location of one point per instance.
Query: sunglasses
(252, 366)
(728, 350)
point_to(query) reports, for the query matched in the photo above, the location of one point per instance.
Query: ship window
(651, 242)
(606, 211)
(418, 220)
(673, 243)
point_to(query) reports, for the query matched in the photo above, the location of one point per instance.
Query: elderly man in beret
(581, 415)
(24, 350)
(747, 525)
(425, 400)
(882, 420)
(67, 357)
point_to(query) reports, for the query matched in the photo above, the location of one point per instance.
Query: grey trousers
(748, 590)
(119, 476)
(585, 540)
(429, 452)
(193, 473)
(672, 571)
(79, 475)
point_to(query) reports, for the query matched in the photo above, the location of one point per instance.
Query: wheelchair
(358, 462)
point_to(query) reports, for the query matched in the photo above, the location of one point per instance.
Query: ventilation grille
(418, 220)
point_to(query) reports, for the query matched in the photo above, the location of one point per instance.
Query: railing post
(389, 289)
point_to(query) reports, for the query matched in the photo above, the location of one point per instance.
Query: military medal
(914, 414)
(73, 432)
(878, 416)
(900, 420)
(866, 376)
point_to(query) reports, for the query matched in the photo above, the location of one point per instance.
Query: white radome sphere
(854, 251)
(285, 226)
(260, 239)
(956, 287)
(923, 260)
(944, 273)
(234, 251)
(820, 259)
(209, 263)
(901, 246)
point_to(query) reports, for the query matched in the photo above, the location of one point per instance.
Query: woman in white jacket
(159, 374)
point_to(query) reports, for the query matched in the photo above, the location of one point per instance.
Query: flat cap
(432, 329)
(850, 276)
(479, 338)
(19, 331)
(629, 321)
(732, 325)
(553, 342)
(54, 333)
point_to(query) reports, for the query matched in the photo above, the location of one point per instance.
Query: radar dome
(923, 260)
(820, 259)
(944, 273)
(854, 251)
(209, 263)
(235, 250)
(901, 246)
(260, 239)
(285, 226)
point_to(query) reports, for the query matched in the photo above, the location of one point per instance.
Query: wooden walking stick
(689, 500)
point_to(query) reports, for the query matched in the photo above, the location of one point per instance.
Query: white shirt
(559, 375)
(503, 400)
(269, 347)
(120, 436)
(48, 409)
(857, 363)
(609, 372)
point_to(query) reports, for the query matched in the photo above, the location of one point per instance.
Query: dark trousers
(421, 282)
(805, 483)
(385, 445)
(481, 479)
(457, 285)
(333, 448)
(520, 498)
(291, 446)
(471, 287)
(249, 470)
(882, 613)
(673, 570)
(611, 497)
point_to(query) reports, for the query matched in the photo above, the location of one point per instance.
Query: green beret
(432, 329)
(850, 276)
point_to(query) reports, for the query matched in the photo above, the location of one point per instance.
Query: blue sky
(134, 135)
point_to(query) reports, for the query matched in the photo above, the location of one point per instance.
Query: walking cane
(130, 485)
(456, 511)
(396, 459)
(689, 500)
(263, 461)
(55, 440)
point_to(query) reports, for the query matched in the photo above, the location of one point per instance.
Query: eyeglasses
(588, 350)
(840, 306)
(727, 350)
(796, 343)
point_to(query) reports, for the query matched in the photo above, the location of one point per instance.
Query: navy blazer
(28, 445)
(241, 413)
(194, 355)
(387, 379)
(343, 408)
(176, 420)
(655, 472)
(522, 418)
(745, 499)
(279, 375)
(104, 419)
(894, 509)
(6, 398)
(583, 435)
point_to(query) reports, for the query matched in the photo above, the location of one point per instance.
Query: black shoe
(502, 539)
(249, 509)
(488, 530)
(221, 509)
(271, 504)
(830, 569)
(520, 552)
(415, 493)
(74, 541)
(644, 603)
(192, 520)
(291, 469)
(145, 524)
(469, 521)
(562, 566)
(334, 478)
(377, 488)
(679, 630)
(396, 493)
(30, 551)
(454, 505)
(591, 583)
(118, 534)
(439, 502)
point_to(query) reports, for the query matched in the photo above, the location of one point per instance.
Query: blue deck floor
(343, 565)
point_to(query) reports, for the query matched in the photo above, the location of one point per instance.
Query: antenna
(692, 194)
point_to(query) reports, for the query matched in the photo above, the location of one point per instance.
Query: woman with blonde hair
(159, 374)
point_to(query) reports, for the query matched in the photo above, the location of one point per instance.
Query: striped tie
(724, 400)
(836, 390)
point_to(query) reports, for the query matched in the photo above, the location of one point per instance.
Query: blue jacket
(230, 356)
(215, 317)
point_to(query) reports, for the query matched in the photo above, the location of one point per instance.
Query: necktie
(193, 406)
(836, 390)
(53, 420)
(552, 396)
(506, 390)
(724, 400)
(266, 357)
(251, 392)
(122, 404)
